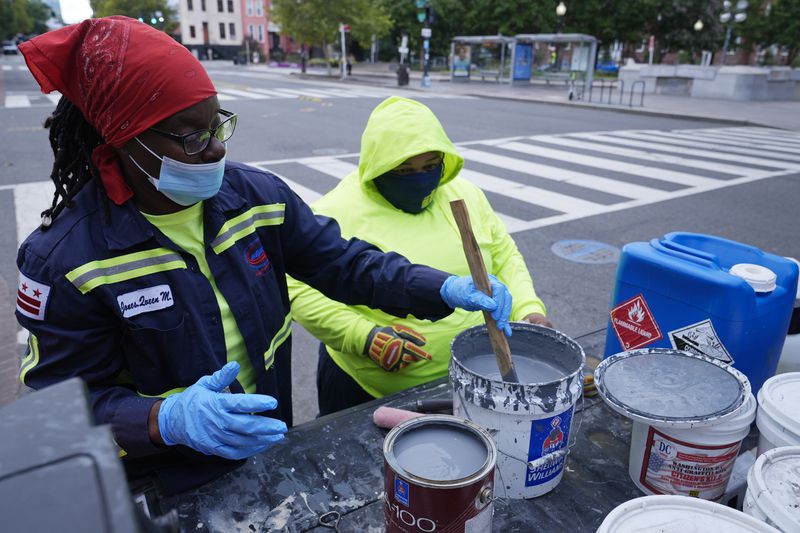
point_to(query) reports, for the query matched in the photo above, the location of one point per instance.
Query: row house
(216, 29)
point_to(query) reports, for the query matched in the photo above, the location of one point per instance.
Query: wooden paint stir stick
(481, 279)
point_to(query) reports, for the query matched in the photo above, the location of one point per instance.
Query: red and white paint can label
(672, 466)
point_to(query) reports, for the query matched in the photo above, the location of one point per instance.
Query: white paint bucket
(530, 421)
(690, 414)
(695, 462)
(679, 514)
(773, 489)
(778, 417)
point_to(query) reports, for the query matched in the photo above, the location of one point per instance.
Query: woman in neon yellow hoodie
(398, 199)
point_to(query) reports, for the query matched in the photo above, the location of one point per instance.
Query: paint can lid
(671, 388)
(772, 483)
(759, 277)
(779, 398)
(679, 514)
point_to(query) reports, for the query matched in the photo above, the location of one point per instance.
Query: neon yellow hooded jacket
(398, 129)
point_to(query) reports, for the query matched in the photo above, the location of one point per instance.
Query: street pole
(426, 32)
(727, 43)
(344, 53)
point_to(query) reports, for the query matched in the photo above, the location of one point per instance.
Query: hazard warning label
(702, 339)
(634, 324)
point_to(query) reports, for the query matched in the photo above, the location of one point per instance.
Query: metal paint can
(438, 476)
(530, 421)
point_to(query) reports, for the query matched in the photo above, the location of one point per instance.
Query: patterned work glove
(395, 347)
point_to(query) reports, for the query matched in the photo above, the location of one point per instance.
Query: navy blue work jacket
(107, 297)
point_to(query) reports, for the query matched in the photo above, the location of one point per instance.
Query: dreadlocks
(72, 139)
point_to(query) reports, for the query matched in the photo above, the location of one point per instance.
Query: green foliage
(22, 16)
(779, 25)
(317, 21)
(138, 9)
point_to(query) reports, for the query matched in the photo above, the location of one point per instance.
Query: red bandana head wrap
(123, 75)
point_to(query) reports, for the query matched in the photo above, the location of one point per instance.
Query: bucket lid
(759, 277)
(664, 387)
(779, 397)
(774, 482)
(679, 514)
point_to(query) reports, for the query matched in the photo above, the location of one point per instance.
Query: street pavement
(551, 172)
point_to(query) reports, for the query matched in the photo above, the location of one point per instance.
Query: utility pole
(343, 28)
(425, 14)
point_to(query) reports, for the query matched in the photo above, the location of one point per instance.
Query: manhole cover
(329, 151)
(589, 252)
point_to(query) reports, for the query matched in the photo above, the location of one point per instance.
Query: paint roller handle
(481, 280)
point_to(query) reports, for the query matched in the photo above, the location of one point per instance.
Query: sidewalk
(775, 114)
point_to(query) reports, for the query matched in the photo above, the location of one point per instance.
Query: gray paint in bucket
(440, 453)
(527, 420)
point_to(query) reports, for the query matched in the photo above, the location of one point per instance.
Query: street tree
(157, 13)
(316, 22)
(776, 23)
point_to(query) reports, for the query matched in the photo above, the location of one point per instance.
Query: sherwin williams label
(671, 466)
(634, 324)
(548, 435)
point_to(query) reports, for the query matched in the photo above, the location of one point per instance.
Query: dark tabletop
(335, 463)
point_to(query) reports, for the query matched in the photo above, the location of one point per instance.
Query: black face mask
(411, 193)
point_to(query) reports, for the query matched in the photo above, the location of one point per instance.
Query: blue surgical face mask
(185, 183)
(411, 193)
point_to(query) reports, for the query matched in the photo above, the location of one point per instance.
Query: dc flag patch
(32, 297)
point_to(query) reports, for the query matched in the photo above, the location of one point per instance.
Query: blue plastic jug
(679, 292)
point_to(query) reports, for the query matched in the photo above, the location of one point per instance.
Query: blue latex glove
(461, 292)
(216, 423)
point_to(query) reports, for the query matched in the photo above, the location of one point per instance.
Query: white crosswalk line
(763, 132)
(672, 176)
(221, 96)
(54, 97)
(312, 93)
(661, 141)
(17, 100)
(532, 195)
(7, 67)
(598, 146)
(245, 94)
(30, 199)
(308, 195)
(619, 188)
(752, 150)
(512, 224)
(330, 166)
(743, 136)
(781, 151)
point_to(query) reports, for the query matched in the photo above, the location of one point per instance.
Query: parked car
(608, 66)
(10, 48)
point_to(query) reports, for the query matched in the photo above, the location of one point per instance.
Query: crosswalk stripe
(308, 195)
(245, 94)
(331, 166)
(296, 93)
(512, 224)
(753, 150)
(631, 138)
(781, 150)
(619, 188)
(54, 97)
(639, 154)
(774, 136)
(221, 96)
(7, 67)
(763, 132)
(672, 176)
(529, 194)
(17, 100)
(30, 199)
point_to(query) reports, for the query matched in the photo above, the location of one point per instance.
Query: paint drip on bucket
(531, 420)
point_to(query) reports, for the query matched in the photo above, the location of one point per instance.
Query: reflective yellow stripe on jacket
(30, 360)
(246, 223)
(277, 340)
(124, 267)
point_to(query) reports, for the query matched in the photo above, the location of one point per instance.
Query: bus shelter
(553, 57)
(481, 57)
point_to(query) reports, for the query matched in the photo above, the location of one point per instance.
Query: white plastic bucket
(530, 421)
(778, 417)
(772, 489)
(679, 514)
(696, 461)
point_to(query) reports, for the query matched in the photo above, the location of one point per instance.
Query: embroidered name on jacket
(145, 300)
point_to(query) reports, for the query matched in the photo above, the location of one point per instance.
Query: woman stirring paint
(399, 199)
(158, 275)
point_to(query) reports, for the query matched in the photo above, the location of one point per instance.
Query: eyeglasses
(197, 141)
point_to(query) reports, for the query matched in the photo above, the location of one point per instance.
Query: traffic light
(425, 11)
(422, 10)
